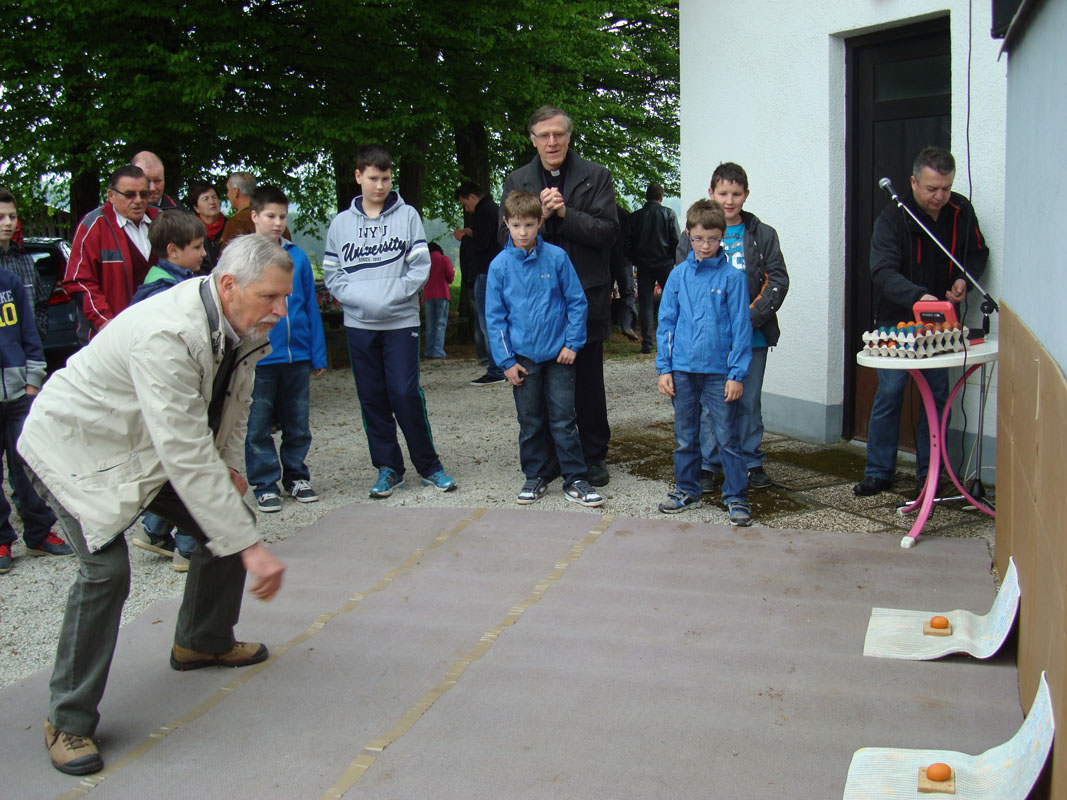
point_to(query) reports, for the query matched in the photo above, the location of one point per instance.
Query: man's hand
(265, 569)
(461, 232)
(733, 391)
(958, 291)
(566, 356)
(552, 203)
(320, 372)
(927, 298)
(513, 376)
(31, 390)
(665, 385)
(239, 482)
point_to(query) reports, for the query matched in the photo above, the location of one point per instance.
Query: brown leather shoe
(72, 754)
(242, 654)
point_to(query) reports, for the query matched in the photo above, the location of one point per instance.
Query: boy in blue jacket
(535, 313)
(283, 383)
(704, 350)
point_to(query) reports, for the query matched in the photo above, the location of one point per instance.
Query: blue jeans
(37, 517)
(883, 433)
(479, 301)
(696, 394)
(545, 408)
(281, 392)
(749, 420)
(157, 526)
(436, 309)
(385, 365)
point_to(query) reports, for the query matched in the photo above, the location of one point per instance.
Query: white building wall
(763, 84)
(1036, 268)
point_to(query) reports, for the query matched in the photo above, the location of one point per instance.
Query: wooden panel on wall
(1032, 513)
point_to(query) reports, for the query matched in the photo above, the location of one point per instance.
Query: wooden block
(927, 786)
(928, 631)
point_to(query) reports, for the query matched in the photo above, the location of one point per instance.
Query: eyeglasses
(144, 194)
(558, 136)
(699, 240)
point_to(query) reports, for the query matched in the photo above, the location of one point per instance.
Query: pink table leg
(925, 501)
(947, 461)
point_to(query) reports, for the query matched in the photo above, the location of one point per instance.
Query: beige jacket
(129, 413)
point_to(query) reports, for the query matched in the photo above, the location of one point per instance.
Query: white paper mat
(1005, 772)
(894, 633)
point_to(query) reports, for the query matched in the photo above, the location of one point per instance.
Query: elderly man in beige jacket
(151, 416)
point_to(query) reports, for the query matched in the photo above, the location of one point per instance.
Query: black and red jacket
(905, 264)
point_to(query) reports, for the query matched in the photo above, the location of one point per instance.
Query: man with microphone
(907, 267)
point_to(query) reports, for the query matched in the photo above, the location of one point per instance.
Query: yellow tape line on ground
(88, 783)
(358, 768)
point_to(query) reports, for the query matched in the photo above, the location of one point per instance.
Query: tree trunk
(85, 193)
(344, 175)
(472, 152)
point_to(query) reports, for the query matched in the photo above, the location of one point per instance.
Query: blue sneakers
(678, 501)
(440, 480)
(388, 479)
(740, 513)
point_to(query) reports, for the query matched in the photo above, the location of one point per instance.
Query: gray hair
(547, 112)
(248, 257)
(242, 182)
(938, 159)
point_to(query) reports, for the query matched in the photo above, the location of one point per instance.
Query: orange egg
(938, 772)
(901, 325)
(939, 622)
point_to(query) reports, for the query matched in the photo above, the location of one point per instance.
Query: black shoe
(758, 479)
(709, 481)
(487, 380)
(596, 472)
(871, 486)
(646, 349)
(629, 334)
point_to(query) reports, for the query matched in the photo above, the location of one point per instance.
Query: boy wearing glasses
(111, 254)
(704, 347)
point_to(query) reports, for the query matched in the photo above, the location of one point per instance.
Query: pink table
(970, 359)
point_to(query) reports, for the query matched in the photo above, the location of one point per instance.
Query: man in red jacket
(111, 254)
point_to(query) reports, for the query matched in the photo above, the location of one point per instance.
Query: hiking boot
(388, 479)
(740, 513)
(488, 380)
(758, 479)
(596, 472)
(269, 502)
(70, 753)
(51, 545)
(709, 481)
(532, 491)
(871, 486)
(678, 501)
(242, 654)
(180, 562)
(581, 492)
(5, 559)
(302, 492)
(440, 480)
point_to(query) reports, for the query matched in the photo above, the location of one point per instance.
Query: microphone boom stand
(988, 306)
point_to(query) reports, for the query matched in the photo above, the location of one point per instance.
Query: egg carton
(914, 341)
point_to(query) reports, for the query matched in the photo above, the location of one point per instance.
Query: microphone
(887, 186)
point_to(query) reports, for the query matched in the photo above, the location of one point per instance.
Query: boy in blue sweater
(704, 350)
(535, 313)
(22, 370)
(283, 378)
(177, 239)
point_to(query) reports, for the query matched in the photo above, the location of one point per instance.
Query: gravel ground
(477, 438)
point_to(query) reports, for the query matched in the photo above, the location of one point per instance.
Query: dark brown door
(899, 101)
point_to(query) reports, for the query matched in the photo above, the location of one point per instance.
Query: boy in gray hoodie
(376, 261)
